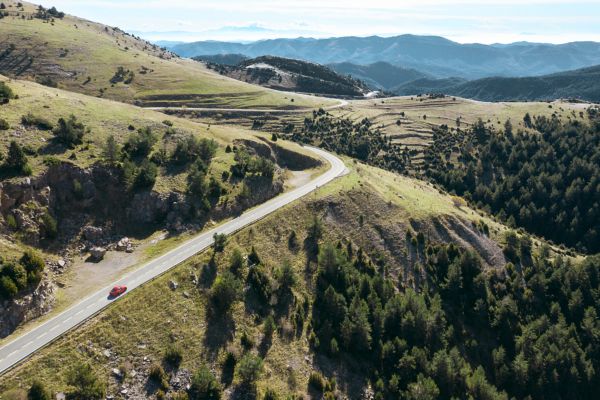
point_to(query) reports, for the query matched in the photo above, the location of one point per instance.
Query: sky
(464, 21)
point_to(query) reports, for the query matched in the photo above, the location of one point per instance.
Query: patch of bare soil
(296, 179)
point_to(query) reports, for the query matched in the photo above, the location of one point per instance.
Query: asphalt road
(27, 344)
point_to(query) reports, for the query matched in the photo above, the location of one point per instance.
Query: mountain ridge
(433, 55)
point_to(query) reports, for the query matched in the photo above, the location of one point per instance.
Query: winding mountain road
(24, 346)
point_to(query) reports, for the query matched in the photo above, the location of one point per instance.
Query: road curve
(342, 103)
(22, 347)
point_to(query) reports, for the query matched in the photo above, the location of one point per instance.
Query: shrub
(286, 277)
(50, 226)
(224, 292)
(4, 125)
(269, 327)
(220, 240)
(146, 176)
(250, 368)
(8, 288)
(204, 386)
(85, 382)
(6, 93)
(317, 382)
(173, 356)
(270, 394)
(111, 150)
(69, 131)
(236, 262)
(38, 391)
(11, 221)
(16, 161)
(191, 148)
(140, 143)
(159, 376)
(36, 121)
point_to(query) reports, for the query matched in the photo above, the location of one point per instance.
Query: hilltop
(288, 74)
(101, 61)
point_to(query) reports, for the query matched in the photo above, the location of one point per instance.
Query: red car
(118, 290)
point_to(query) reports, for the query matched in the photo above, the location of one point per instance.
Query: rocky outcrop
(32, 305)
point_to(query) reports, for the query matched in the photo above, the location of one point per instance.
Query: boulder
(173, 285)
(97, 253)
(123, 244)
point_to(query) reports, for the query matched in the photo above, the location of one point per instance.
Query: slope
(397, 230)
(159, 173)
(292, 75)
(90, 58)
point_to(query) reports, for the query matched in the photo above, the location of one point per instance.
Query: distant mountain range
(430, 55)
(581, 84)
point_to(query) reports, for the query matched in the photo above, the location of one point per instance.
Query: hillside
(381, 240)
(79, 173)
(581, 84)
(427, 54)
(380, 75)
(292, 75)
(93, 59)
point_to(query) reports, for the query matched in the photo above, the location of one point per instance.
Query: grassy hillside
(90, 58)
(58, 189)
(372, 210)
(291, 75)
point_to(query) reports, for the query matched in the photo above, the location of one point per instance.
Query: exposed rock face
(92, 233)
(32, 305)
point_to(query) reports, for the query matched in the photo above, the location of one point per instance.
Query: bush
(224, 292)
(317, 382)
(250, 368)
(50, 226)
(220, 240)
(270, 394)
(37, 391)
(16, 161)
(85, 382)
(4, 125)
(191, 148)
(286, 277)
(111, 150)
(173, 356)
(146, 176)
(140, 143)
(159, 376)
(6, 93)
(36, 121)
(69, 131)
(8, 289)
(204, 386)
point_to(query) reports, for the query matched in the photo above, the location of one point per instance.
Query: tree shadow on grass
(219, 331)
